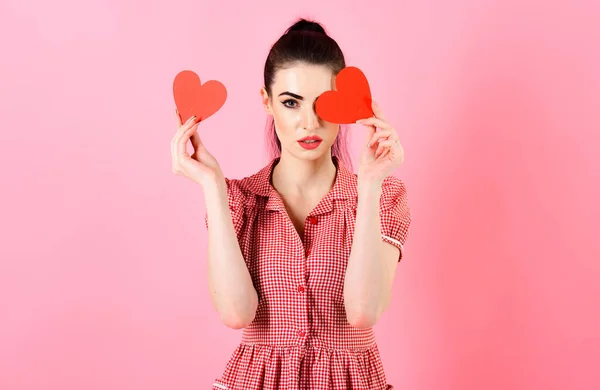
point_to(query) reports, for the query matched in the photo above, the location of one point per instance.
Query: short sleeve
(236, 201)
(395, 213)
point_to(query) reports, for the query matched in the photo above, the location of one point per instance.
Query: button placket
(301, 296)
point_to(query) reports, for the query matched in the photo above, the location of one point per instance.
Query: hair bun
(306, 25)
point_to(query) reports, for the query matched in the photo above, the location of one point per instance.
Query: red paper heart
(194, 98)
(350, 101)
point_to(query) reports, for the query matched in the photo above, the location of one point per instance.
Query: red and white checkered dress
(300, 337)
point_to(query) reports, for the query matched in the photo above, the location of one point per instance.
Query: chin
(310, 155)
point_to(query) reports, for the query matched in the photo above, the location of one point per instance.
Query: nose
(310, 119)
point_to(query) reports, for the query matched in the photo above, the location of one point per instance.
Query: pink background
(102, 272)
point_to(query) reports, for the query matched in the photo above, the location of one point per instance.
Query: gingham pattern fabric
(300, 337)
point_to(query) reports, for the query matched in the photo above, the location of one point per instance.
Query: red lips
(310, 138)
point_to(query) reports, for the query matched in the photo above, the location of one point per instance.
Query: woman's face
(292, 104)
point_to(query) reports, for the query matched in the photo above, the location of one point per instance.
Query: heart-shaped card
(194, 98)
(350, 101)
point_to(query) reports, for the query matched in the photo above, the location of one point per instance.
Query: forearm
(366, 285)
(231, 289)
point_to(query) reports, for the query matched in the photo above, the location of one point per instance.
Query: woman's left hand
(383, 153)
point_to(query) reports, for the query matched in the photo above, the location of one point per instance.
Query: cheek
(286, 121)
(332, 133)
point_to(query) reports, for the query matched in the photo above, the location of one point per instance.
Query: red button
(307, 252)
(300, 288)
(302, 333)
(312, 220)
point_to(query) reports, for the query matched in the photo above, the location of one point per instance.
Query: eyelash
(289, 100)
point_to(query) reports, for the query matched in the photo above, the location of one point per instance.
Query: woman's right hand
(201, 166)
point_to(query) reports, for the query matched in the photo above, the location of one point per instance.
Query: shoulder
(393, 191)
(239, 193)
(393, 188)
(257, 183)
(239, 187)
(246, 189)
(392, 184)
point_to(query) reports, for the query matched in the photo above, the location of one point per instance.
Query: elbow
(240, 318)
(236, 322)
(362, 318)
(360, 313)
(361, 323)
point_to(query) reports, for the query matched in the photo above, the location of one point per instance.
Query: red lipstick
(311, 142)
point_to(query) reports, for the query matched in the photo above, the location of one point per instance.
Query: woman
(302, 254)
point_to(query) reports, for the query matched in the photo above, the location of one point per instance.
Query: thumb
(370, 132)
(196, 141)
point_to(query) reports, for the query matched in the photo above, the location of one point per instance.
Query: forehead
(302, 79)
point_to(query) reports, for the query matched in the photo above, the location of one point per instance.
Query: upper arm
(395, 219)
(395, 216)
(389, 255)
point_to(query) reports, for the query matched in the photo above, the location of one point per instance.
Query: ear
(266, 101)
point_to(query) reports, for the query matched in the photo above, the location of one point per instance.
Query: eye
(290, 103)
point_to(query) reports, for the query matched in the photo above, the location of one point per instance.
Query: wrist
(368, 187)
(214, 187)
(370, 177)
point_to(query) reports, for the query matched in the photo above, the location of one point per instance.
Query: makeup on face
(311, 142)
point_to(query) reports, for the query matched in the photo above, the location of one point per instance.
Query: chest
(311, 252)
(298, 217)
(298, 213)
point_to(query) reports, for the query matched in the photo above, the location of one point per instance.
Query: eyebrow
(292, 95)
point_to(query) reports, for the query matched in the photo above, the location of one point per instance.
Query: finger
(196, 141)
(383, 151)
(371, 130)
(380, 135)
(383, 145)
(377, 111)
(183, 128)
(180, 130)
(190, 122)
(177, 118)
(386, 152)
(182, 141)
(376, 122)
(187, 124)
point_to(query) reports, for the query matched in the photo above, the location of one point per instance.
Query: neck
(292, 176)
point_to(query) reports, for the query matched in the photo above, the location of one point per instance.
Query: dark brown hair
(307, 42)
